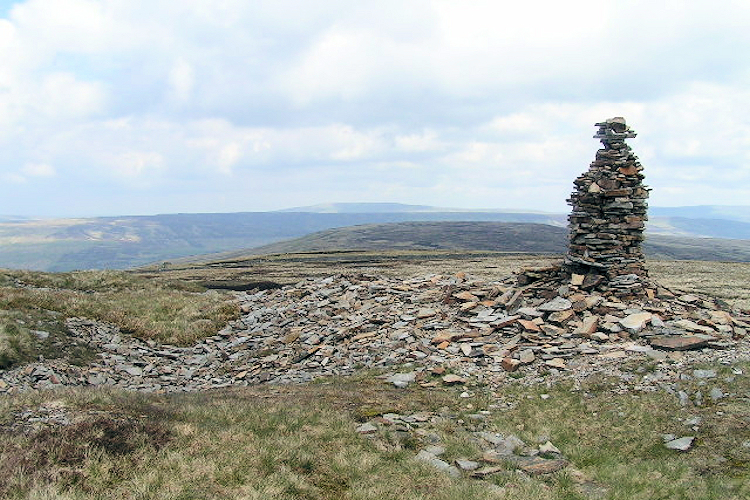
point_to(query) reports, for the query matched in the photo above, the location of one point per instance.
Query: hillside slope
(495, 236)
(124, 242)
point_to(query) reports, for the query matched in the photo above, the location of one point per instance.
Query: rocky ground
(464, 329)
(528, 329)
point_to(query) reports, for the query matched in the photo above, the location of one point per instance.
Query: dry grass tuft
(145, 308)
(65, 456)
(299, 442)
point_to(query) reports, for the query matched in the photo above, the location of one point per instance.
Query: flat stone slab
(434, 461)
(452, 379)
(366, 428)
(401, 380)
(681, 444)
(634, 323)
(487, 471)
(678, 343)
(466, 465)
(556, 304)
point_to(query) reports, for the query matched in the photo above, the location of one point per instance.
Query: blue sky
(119, 107)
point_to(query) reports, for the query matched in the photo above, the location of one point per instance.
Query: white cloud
(182, 80)
(471, 104)
(137, 165)
(38, 170)
(13, 178)
(426, 140)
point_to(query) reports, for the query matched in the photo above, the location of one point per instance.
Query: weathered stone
(686, 324)
(466, 296)
(466, 465)
(435, 462)
(508, 445)
(556, 304)
(367, 428)
(561, 317)
(556, 363)
(716, 394)
(452, 379)
(689, 298)
(426, 313)
(529, 325)
(402, 380)
(549, 448)
(526, 357)
(510, 364)
(678, 343)
(588, 327)
(636, 322)
(681, 444)
(487, 471)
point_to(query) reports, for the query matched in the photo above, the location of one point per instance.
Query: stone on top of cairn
(608, 218)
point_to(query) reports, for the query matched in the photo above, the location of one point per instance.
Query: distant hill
(500, 236)
(123, 242)
(379, 208)
(370, 208)
(704, 228)
(728, 212)
(129, 241)
(497, 236)
(12, 218)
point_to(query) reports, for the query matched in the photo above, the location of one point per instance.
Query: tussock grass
(148, 309)
(615, 439)
(729, 281)
(261, 443)
(15, 342)
(299, 442)
(25, 335)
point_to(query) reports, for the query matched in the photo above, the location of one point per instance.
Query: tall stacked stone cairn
(607, 221)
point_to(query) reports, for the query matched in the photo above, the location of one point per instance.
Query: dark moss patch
(59, 454)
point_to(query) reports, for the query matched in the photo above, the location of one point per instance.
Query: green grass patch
(299, 442)
(38, 333)
(149, 309)
(616, 438)
(262, 443)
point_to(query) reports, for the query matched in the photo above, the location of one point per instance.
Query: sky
(127, 107)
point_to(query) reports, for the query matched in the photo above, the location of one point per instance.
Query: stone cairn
(607, 221)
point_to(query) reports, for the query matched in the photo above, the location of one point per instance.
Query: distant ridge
(499, 236)
(13, 218)
(490, 236)
(129, 241)
(379, 208)
(374, 208)
(724, 212)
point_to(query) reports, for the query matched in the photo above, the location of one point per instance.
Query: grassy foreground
(299, 442)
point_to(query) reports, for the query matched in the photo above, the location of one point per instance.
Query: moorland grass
(148, 309)
(299, 442)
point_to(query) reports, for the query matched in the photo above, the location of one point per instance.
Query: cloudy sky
(116, 107)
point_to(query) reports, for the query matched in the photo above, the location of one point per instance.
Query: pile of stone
(500, 453)
(608, 217)
(454, 326)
